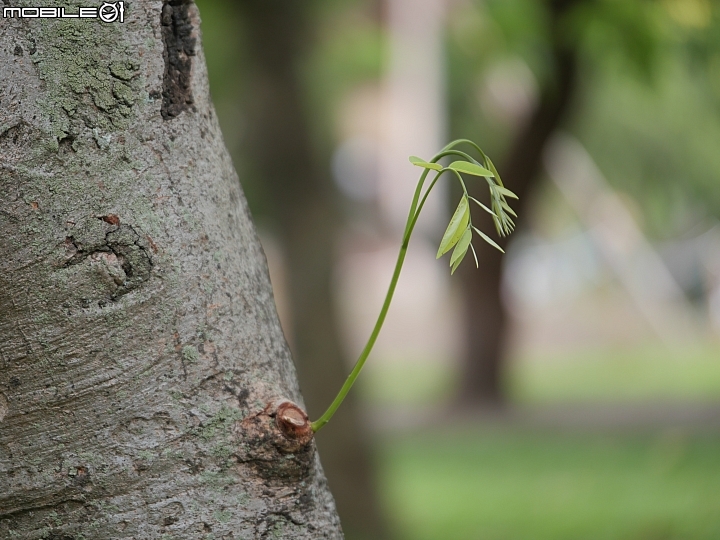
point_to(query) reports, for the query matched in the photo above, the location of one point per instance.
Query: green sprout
(458, 234)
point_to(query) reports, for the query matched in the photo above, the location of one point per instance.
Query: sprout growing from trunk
(458, 235)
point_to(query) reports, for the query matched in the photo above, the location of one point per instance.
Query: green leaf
(456, 228)
(499, 226)
(424, 164)
(507, 208)
(491, 166)
(488, 239)
(504, 226)
(460, 250)
(481, 205)
(470, 168)
(505, 191)
(455, 267)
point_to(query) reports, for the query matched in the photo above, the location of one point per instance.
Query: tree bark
(486, 318)
(142, 365)
(302, 202)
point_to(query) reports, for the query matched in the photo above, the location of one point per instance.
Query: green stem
(413, 215)
(454, 153)
(416, 196)
(456, 142)
(325, 418)
(412, 220)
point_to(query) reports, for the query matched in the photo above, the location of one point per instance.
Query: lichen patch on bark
(92, 90)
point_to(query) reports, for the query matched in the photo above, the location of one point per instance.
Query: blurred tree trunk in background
(486, 319)
(302, 201)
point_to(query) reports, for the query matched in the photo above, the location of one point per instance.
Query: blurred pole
(414, 120)
(303, 200)
(619, 239)
(486, 319)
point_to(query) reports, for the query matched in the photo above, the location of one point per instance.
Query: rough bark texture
(141, 359)
(303, 200)
(486, 320)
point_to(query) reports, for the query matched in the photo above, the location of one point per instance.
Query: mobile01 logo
(108, 12)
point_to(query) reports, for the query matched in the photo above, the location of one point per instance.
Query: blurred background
(569, 389)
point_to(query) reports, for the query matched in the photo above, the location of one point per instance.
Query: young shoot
(458, 235)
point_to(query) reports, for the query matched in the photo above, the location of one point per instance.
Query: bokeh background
(569, 389)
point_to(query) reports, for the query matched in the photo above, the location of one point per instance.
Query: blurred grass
(636, 373)
(509, 484)
(628, 374)
(621, 374)
(497, 482)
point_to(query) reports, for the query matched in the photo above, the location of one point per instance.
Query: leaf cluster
(457, 237)
(459, 232)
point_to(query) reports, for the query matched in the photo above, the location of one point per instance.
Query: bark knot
(293, 423)
(277, 441)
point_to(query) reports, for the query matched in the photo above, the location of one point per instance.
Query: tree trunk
(486, 319)
(142, 365)
(302, 201)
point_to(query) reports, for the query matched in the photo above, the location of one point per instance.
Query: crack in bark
(65, 144)
(179, 39)
(18, 135)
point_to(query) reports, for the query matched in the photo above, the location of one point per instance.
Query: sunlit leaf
(506, 192)
(426, 165)
(505, 226)
(492, 168)
(455, 267)
(481, 205)
(470, 168)
(460, 250)
(507, 208)
(498, 226)
(456, 228)
(488, 239)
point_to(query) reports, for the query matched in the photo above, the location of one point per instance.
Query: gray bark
(141, 359)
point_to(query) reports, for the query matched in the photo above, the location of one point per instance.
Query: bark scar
(123, 248)
(179, 37)
(277, 441)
